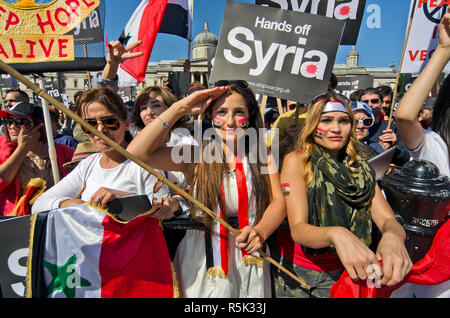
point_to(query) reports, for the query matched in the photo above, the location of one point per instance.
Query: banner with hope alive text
(424, 36)
(280, 53)
(34, 31)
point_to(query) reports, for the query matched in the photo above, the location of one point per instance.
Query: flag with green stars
(82, 252)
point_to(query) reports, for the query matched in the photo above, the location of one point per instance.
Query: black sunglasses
(238, 83)
(366, 122)
(111, 123)
(19, 122)
(373, 101)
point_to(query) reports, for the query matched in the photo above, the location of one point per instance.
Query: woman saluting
(211, 263)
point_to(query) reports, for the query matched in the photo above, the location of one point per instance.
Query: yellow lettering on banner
(36, 49)
(51, 17)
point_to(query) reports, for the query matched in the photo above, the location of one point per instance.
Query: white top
(127, 177)
(433, 149)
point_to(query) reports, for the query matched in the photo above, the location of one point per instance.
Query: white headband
(334, 106)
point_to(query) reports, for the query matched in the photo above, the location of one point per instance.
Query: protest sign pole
(49, 133)
(394, 97)
(88, 73)
(262, 107)
(40, 92)
(280, 106)
(1, 98)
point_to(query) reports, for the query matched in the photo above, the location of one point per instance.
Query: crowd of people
(323, 184)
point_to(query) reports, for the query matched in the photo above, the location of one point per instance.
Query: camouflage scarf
(338, 197)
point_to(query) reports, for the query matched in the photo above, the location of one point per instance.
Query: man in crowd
(380, 137)
(12, 97)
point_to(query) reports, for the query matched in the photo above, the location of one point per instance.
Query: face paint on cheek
(319, 133)
(243, 122)
(286, 188)
(218, 121)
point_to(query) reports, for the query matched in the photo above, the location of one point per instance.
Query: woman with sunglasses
(434, 144)
(24, 158)
(107, 175)
(212, 262)
(364, 119)
(332, 198)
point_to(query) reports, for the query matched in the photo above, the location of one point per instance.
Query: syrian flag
(144, 26)
(150, 18)
(177, 18)
(82, 252)
(429, 277)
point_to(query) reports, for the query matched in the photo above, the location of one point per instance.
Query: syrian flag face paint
(286, 188)
(320, 133)
(243, 122)
(218, 121)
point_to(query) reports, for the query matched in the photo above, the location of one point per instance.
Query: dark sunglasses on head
(111, 123)
(19, 122)
(238, 83)
(366, 122)
(373, 101)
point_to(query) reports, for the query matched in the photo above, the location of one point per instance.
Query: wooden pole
(88, 73)
(49, 134)
(280, 107)
(394, 97)
(1, 98)
(139, 162)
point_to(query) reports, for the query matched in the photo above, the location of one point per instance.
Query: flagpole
(40, 92)
(401, 63)
(191, 13)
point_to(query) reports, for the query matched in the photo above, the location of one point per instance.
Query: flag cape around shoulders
(429, 277)
(143, 25)
(83, 252)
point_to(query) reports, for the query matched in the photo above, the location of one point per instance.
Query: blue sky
(378, 44)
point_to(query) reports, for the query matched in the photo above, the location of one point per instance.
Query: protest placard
(348, 84)
(14, 239)
(42, 36)
(423, 36)
(280, 53)
(350, 11)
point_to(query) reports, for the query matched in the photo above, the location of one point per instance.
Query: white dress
(242, 281)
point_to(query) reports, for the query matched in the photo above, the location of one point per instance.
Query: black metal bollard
(420, 198)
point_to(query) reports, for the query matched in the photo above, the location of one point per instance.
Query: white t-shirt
(433, 149)
(127, 177)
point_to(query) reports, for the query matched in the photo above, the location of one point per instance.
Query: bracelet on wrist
(164, 124)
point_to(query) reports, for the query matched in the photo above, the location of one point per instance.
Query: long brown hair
(305, 141)
(208, 177)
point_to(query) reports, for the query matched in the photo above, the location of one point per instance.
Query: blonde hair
(305, 141)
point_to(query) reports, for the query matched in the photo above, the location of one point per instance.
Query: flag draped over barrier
(429, 278)
(83, 252)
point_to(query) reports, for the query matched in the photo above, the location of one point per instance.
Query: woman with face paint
(211, 262)
(331, 200)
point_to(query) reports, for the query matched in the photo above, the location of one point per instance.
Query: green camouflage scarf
(338, 197)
